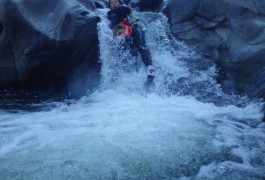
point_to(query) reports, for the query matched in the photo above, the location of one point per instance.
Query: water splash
(180, 70)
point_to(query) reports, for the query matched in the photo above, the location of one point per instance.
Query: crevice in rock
(1, 28)
(98, 5)
(257, 9)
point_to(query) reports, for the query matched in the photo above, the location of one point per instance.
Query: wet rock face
(99, 4)
(231, 32)
(150, 5)
(1, 28)
(145, 5)
(8, 73)
(49, 39)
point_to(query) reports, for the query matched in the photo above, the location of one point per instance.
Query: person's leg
(139, 41)
(128, 54)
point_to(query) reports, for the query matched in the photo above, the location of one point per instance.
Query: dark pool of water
(17, 101)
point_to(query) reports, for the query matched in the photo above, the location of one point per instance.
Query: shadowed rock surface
(231, 32)
(44, 42)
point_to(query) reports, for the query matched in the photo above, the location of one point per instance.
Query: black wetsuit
(116, 16)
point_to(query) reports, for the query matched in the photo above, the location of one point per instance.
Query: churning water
(184, 127)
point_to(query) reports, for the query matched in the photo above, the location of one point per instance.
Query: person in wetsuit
(119, 16)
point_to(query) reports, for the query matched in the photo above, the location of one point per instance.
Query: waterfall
(180, 70)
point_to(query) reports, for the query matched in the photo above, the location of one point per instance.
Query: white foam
(116, 131)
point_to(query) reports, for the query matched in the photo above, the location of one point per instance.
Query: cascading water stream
(185, 127)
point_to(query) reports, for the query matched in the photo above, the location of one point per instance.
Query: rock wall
(8, 73)
(231, 32)
(43, 42)
(145, 5)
